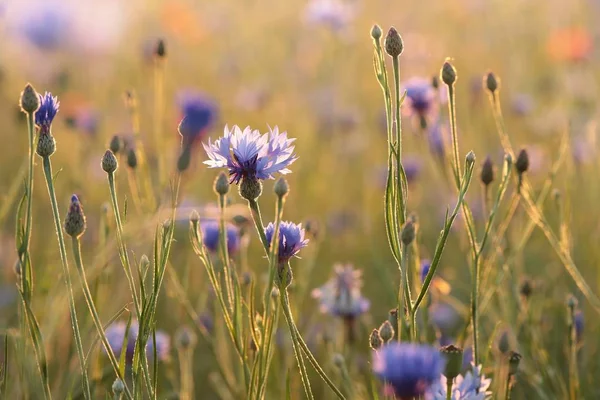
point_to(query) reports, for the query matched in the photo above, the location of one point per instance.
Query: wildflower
(341, 296)
(47, 111)
(291, 239)
(199, 114)
(420, 98)
(437, 137)
(115, 334)
(412, 168)
(375, 340)
(48, 26)
(408, 370)
(471, 386)
(335, 14)
(210, 236)
(249, 155)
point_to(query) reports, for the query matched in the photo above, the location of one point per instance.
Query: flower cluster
(341, 296)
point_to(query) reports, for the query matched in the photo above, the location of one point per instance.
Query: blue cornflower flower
(199, 114)
(115, 334)
(341, 296)
(471, 386)
(45, 114)
(425, 266)
(248, 154)
(291, 239)
(210, 236)
(408, 370)
(420, 99)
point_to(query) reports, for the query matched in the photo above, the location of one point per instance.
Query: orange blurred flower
(569, 44)
(182, 21)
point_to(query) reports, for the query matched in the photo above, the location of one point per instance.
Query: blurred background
(307, 67)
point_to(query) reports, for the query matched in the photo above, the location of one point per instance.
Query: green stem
(507, 388)
(400, 181)
(449, 389)
(67, 274)
(91, 306)
(258, 222)
(29, 221)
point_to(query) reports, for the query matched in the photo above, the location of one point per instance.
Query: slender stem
(400, 182)
(258, 222)
(27, 238)
(449, 389)
(159, 78)
(507, 388)
(91, 306)
(455, 152)
(186, 391)
(67, 274)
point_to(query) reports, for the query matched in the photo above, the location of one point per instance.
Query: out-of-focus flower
(180, 19)
(570, 44)
(437, 137)
(248, 154)
(579, 322)
(420, 100)
(408, 370)
(444, 317)
(341, 296)
(522, 104)
(48, 109)
(199, 114)
(210, 236)
(412, 167)
(115, 334)
(334, 14)
(291, 239)
(252, 98)
(342, 221)
(48, 27)
(585, 148)
(471, 386)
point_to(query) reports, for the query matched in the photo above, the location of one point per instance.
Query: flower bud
(161, 51)
(572, 302)
(375, 340)
(221, 185)
(30, 100)
(132, 161)
(448, 73)
(116, 144)
(470, 158)
(393, 43)
(338, 360)
(408, 233)
(118, 387)
(491, 82)
(487, 171)
(522, 163)
(194, 217)
(75, 220)
(514, 359)
(250, 189)
(454, 360)
(281, 188)
(435, 82)
(109, 162)
(46, 145)
(376, 32)
(386, 331)
(185, 338)
(526, 288)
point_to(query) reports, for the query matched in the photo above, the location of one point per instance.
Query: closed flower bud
(470, 157)
(250, 189)
(46, 145)
(514, 359)
(408, 233)
(376, 32)
(132, 161)
(75, 220)
(503, 341)
(487, 171)
(393, 317)
(161, 50)
(194, 217)
(281, 188)
(386, 331)
(118, 387)
(185, 338)
(221, 185)
(491, 82)
(522, 163)
(109, 162)
(448, 73)
(526, 288)
(30, 100)
(284, 275)
(435, 82)
(572, 302)
(338, 360)
(393, 43)
(454, 360)
(116, 144)
(375, 340)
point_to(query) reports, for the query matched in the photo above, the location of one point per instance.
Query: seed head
(281, 188)
(522, 163)
(109, 162)
(75, 220)
(448, 73)
(46, 145)
(386, 331)
(30, 101)
(393, 43)
(487, 171)
(491, 82)
(454, 360)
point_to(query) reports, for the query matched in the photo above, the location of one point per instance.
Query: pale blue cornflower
(341, 296)
(210, 236)
(249, 155)
(45, 114)
(291, 239)
(408, 370)
(471, 386)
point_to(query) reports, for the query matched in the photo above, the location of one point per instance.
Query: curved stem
(258, 222)
(67, 274)
(90, 303)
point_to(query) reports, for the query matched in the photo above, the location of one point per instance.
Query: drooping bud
(30, 100)
(487, 171)
(116, 144)
(75, 220)
(375, 340)
(448, 73)
(522, 163)
(281, 188)
(46, 145)
(491, 82)
(514, 359)
(386, 331)
(376, 32)
(250, 189)
(109, 162)
(221, 185)
(454, 360)
(132, 161)
(408, 233)
(393, 43)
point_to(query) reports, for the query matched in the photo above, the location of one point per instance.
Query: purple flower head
(47, 26)
(425, 266)
(408, 370)
(115, 334)
(210, 236)
(47, 111)
(341, 296)
(199, 114)
(248, 154)
(291, 239)
(420, 98)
